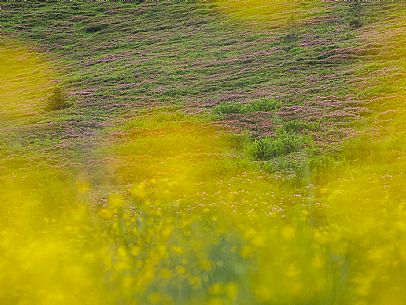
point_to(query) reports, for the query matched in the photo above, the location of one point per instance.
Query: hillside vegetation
(213, 152)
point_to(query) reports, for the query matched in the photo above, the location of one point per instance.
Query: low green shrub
(255, 106)
(285, 143)
(58, 100)
(95, 28)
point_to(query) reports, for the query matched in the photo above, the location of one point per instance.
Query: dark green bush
(285, 143)
(95, 28)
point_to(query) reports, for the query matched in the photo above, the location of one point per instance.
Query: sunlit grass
(27, 81)
(270, 14)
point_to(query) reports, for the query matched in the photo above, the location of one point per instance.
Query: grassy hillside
(117, 57)
(186, 152)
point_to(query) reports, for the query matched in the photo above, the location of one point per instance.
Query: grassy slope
(121, 56)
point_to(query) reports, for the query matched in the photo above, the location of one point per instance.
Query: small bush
(282, 145)
(256, 105)
(95, 28)
(355, 23)
(58, 100)
(356, 12)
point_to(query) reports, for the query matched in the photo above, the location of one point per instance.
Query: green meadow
(202, 152)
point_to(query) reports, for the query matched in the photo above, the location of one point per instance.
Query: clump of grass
(58, 100)
(263, 105)
(95, 28)
(266, 105)
(356, 20)
(282, 145)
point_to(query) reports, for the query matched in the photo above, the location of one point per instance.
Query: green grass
(109, 201)
(281, 145)
(116, 57)
(119, 56)
(254, 106)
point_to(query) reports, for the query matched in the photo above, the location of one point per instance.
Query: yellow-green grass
(27, 81)
(271, 14)
(192, 221)
(367, 199)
